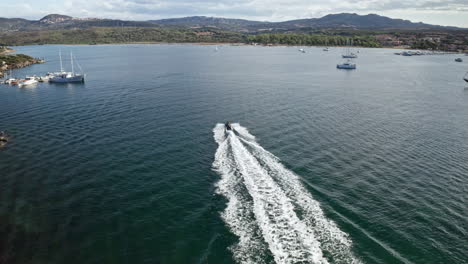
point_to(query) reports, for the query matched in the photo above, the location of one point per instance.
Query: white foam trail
(268, 213)
(334, 241)
(238, 214)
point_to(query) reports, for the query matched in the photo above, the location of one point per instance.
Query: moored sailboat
(66, 77)
(349, 54)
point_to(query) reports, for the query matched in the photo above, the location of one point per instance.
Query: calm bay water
(122, 168)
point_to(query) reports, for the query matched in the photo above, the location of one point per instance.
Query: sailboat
(326, 45)
(9, 78)
(349, 54)
(66, 77)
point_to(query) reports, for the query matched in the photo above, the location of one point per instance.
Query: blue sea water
(325, 166)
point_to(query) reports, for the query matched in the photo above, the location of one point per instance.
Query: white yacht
(29, 81)
(66, 77)
(347, 65)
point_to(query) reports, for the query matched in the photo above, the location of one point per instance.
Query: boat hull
(27, 83)
(346, 67)
(73, 79)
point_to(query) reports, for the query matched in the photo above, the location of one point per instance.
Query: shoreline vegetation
(207, 36)
(14, 61)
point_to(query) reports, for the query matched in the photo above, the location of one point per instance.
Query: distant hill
(202, 21)
(355, 21)
(333, 21)
(54, 18)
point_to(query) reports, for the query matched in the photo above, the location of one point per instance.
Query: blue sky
(441, 12)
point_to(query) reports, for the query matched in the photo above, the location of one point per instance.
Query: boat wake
(273, 215)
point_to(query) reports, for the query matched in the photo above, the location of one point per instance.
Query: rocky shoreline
(15, 61)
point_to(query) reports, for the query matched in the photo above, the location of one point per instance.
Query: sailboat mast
(71, 59)
(60, 55)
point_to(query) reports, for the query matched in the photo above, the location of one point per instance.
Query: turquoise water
(364, 166)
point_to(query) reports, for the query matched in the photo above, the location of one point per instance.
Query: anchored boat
(66, 77)
(347, 65)
(349, 54)
(28, 81)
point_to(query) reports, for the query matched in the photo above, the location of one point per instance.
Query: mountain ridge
(330, 21)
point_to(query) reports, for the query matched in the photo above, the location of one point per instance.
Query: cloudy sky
(441, 12)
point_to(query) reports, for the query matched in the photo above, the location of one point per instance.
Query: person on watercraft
(228, 125)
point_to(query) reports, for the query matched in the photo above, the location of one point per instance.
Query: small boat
(29, 81)
(397, 53)
(302, 50)
(228, 126)
(43, 78)
(466, 77)
(407, 53)
(9, 81)
(459, 60)
(9, 78)
(325, 49)
(346, 66)
(349, 56)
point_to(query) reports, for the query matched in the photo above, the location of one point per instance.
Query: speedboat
(228, 126)
(325, 49)
(302, 50)
(347, 66)
(27, 82)
(458, 60)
